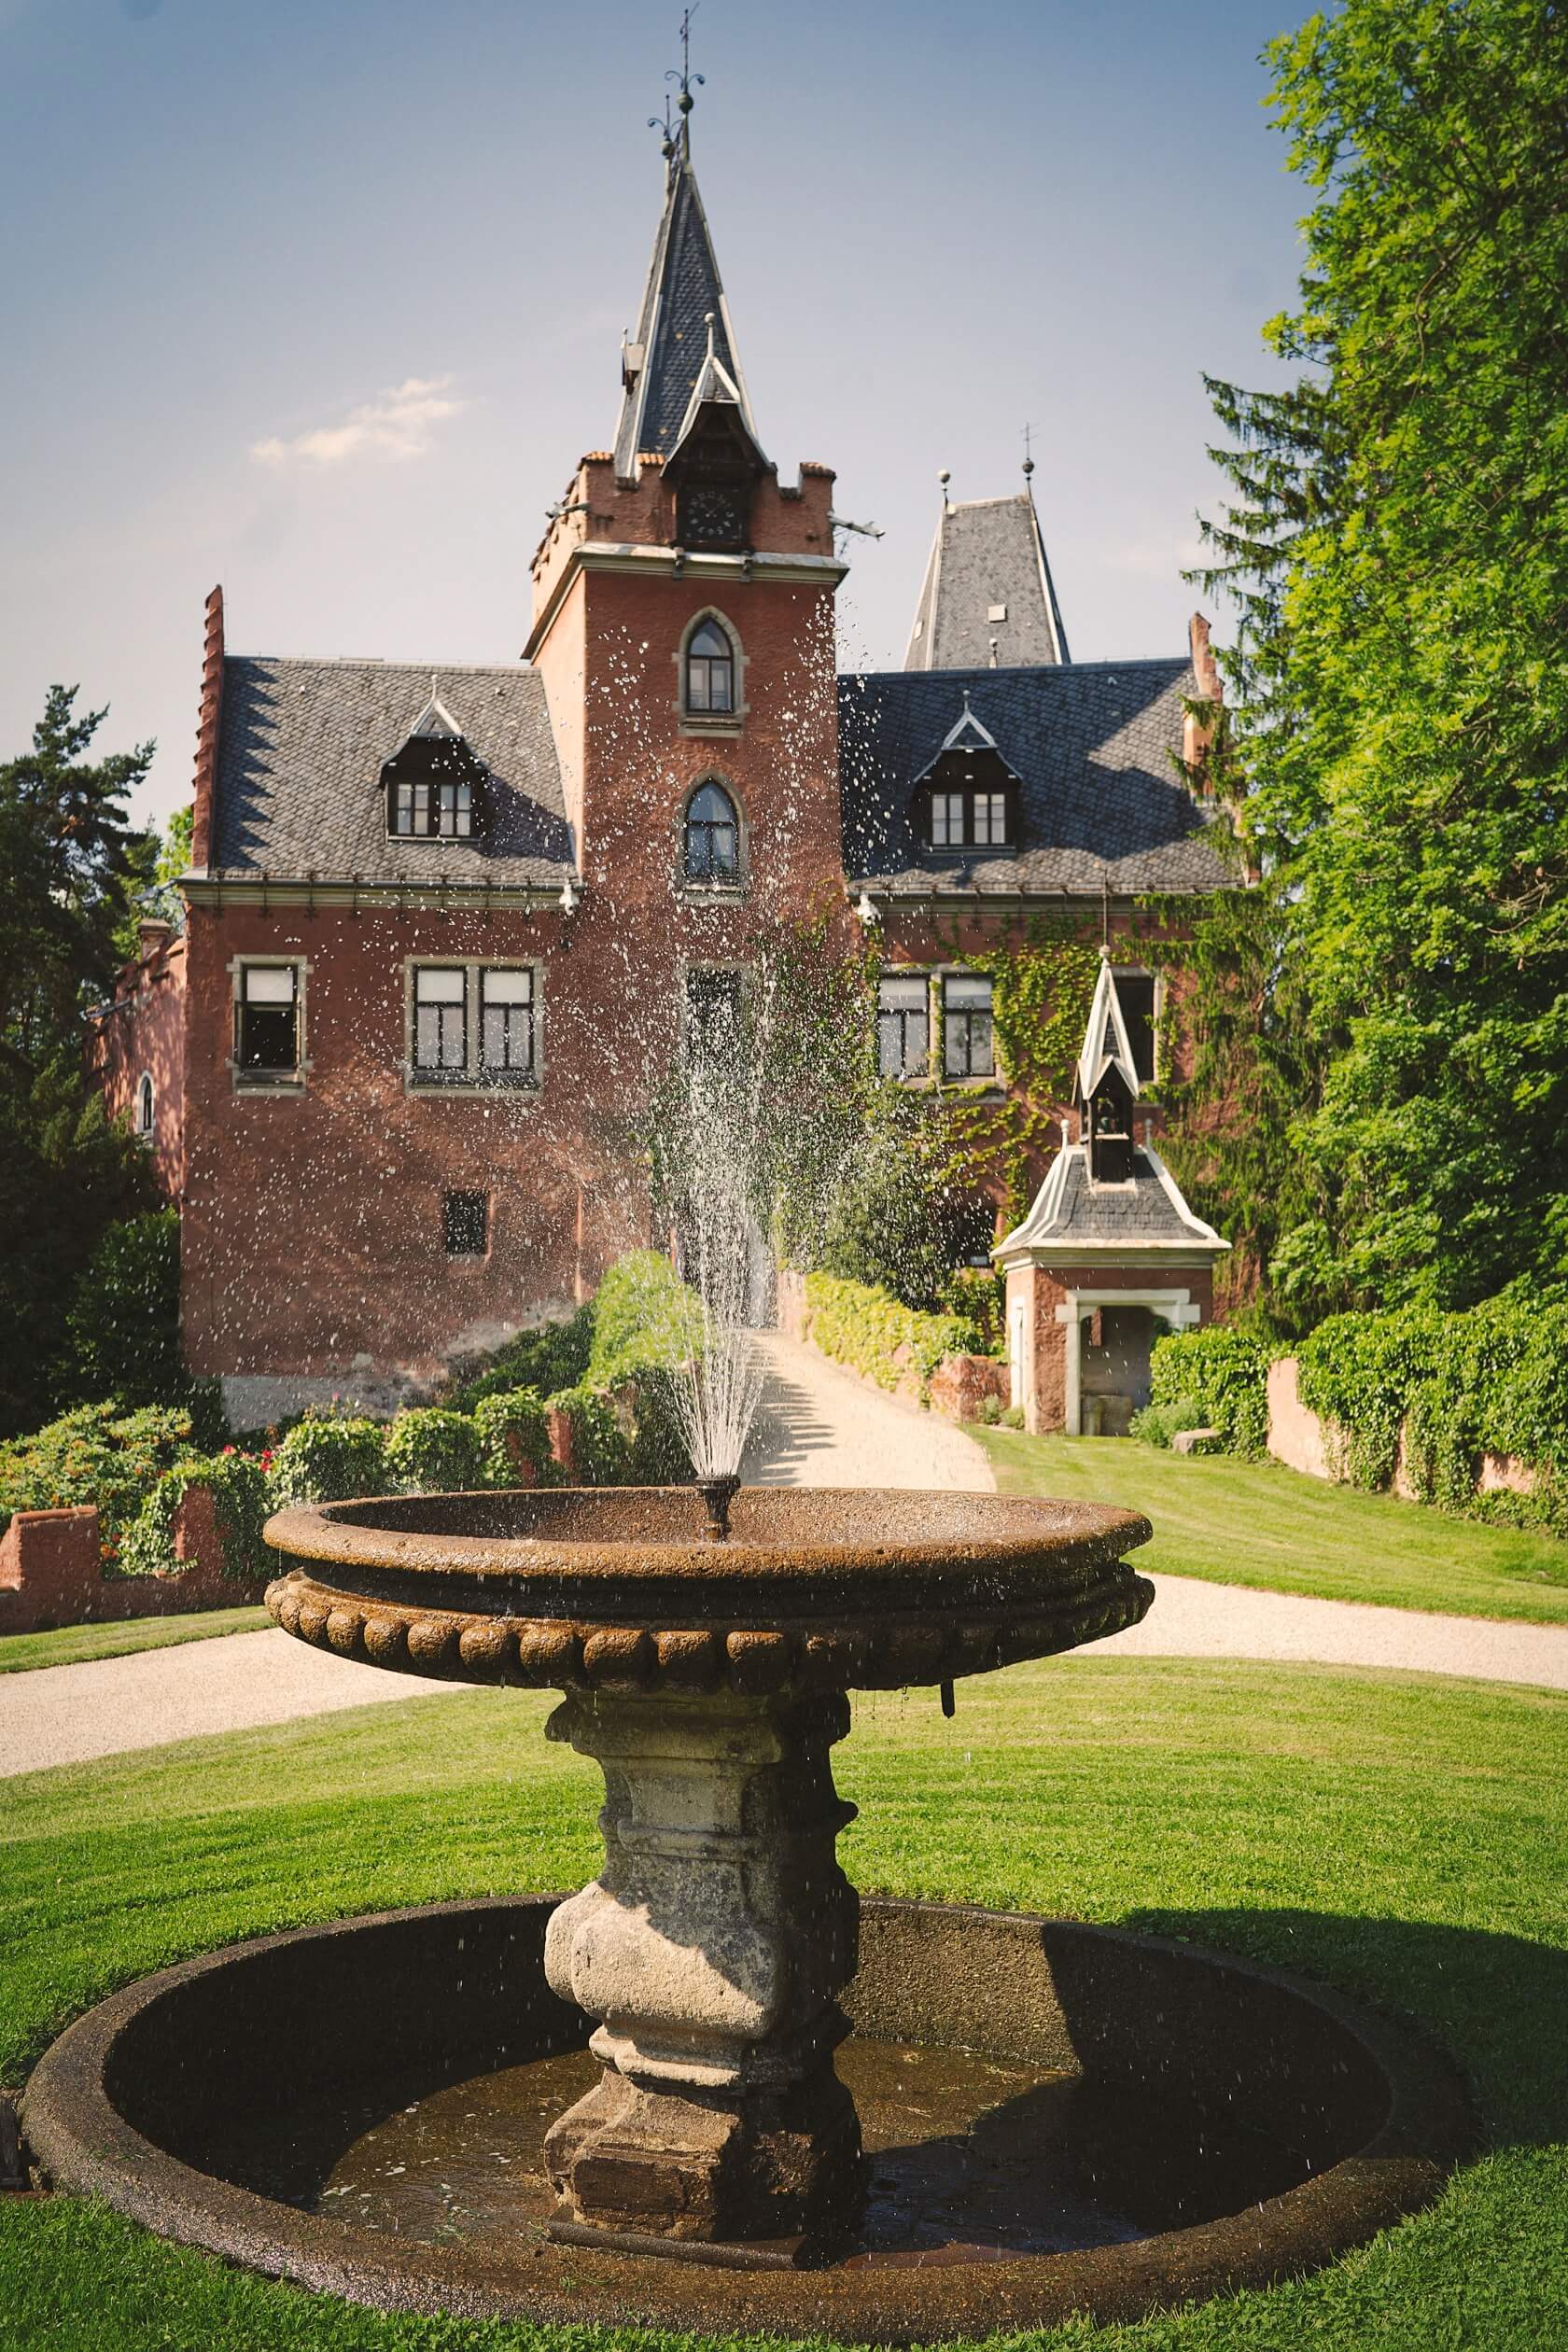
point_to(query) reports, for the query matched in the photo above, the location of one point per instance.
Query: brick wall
(52, 1572)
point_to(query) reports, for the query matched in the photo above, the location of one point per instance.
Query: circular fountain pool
(1056, 2117)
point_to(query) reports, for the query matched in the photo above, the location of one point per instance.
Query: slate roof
(1069, 1212)
(1091, 742)
(300, 751)
(683, 285)
(988, 554)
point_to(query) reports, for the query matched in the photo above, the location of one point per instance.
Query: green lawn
(1258, 1524)
(1403, 1837)
(69, 1644)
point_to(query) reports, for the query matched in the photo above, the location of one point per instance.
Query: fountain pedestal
(712, 1948)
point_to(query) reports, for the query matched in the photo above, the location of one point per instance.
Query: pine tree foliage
(1397, 538)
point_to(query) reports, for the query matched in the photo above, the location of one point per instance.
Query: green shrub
(1487, 1379)
(243, 1501)
(867, 1328)
(327, 1457)
(100, 1455)
(1223, 1376)
(600, 1453)
(659, 1454)
(1156, 1424)
(977, 1297)
(512, 1431)
(122, 1325)
(428, 1451)
(550, 1356)
(1013, 1417)
(644, 1318)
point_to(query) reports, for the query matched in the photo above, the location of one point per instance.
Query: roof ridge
(381, 661)
(1034, 669)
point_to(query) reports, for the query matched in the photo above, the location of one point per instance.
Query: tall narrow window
(465, 1224)
(1135, 990)
(441, 1022)
(710, 670)
(904, 1027)
(713, 836)
(144, 1107)
(713, 1014)
(967, 1049)
(454, 809)
(267, 1024)
(505, 1045)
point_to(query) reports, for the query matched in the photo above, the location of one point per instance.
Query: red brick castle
(443, 921)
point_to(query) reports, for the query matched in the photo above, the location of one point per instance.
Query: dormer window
(712, 850)
(434, 784)
(968, 797)
(710, 670)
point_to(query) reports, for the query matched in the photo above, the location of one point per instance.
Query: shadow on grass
(1498, 2005)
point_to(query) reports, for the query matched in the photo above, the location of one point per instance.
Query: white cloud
(1151, 560)
(396, 424)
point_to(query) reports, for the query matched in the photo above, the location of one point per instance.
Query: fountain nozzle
(718, 1495)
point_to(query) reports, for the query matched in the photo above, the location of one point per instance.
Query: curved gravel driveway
(818, 1426)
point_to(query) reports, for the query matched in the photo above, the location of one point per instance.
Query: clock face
(711, 517)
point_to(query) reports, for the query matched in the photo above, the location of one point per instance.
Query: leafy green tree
(70, 865)
(1397, 535)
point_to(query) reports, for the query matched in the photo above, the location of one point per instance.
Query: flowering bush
(97, 1455)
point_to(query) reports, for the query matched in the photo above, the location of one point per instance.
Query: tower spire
(675, 346)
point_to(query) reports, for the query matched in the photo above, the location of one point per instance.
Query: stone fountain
(706, 1645)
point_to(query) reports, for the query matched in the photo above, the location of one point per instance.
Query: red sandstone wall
(143, 1030)
(52, 1572)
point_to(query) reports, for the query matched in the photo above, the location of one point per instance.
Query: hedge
(327, 1458)
(1220, 1377)
(513, 1438)
(1488, 1379)
(867, 1328)
(428, 1451)
(98, 1455)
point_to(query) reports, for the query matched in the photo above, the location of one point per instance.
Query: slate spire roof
(987, 600)
(670, 355)
(1106, 1044)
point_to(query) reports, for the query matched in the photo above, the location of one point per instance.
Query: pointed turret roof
(673, 354)
(1106, 1044)
(987, 600)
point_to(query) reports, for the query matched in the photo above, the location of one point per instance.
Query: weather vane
(1028, 454)
(679, 135)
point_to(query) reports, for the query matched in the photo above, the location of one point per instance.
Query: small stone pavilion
(1109, 1253)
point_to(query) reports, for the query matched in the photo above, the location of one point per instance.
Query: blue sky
(323, 299)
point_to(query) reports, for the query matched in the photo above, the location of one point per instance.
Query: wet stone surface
(970, 2158)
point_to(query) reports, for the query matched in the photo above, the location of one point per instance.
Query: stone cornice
(676, 563)
(215, 890)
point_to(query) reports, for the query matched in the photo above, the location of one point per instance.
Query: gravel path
(818, 1426)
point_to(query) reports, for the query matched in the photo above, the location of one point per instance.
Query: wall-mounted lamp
(569, 896)
(866, 910)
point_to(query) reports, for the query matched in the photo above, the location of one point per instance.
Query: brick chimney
(207, 731)
(152, 937)
(1209, 687)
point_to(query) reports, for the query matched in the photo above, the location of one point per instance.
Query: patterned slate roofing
(988, 555)
(1142, 1211)
(683, 285)
(1101, 806)
(302, 748)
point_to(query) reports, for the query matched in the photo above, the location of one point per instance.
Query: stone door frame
(1175, 1307)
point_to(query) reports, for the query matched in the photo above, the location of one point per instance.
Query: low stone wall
(1304, 1441)
(52, 1572)
(963, 1383)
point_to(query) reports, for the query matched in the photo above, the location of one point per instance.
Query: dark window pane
(713, 836)
(465, 1224)
(713, 1013)
(1135, 992)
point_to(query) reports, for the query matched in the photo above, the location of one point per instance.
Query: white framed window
(968, 1046)
(947, 820)
(903, 1025)
(269, 1005)
(472, 1028)
(990, 818)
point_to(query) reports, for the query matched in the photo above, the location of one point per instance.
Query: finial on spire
(1028, 456)
(944, 478)
(709, 317)
(678, 137)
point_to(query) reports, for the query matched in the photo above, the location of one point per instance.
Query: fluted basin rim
(871, 1534)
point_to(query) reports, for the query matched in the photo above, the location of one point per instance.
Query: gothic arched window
(144, 1106)
(710, 669)
(713, 836)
